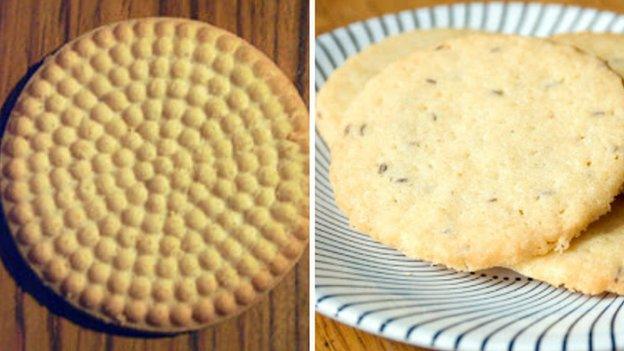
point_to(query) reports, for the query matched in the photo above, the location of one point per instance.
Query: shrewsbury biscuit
(594, 262)
(154, 173)
(607, 46)
(482, 151)
(597, 253)
(348, 80)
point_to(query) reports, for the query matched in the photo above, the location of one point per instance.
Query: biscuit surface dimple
(132, 170)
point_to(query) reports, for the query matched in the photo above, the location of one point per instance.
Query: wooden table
(31, 318)
(330, 14)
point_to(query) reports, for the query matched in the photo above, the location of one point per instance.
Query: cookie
(154, 174)
(483, 151)
(597, 253)
(607, 46)
(594, 262)
(348, 80)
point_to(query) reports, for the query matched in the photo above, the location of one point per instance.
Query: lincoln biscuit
(154, 173)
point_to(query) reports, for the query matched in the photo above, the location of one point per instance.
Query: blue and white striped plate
(372, 287)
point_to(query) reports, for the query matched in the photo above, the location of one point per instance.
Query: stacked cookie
(476, 150)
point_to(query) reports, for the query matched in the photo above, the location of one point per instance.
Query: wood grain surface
(330, 14)
(31, 317)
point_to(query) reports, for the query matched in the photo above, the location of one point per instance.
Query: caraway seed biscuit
(483, 151)
(348, 80)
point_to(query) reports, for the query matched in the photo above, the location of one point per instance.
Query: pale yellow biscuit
(154, 173)
(483, 151)
(349, 79)
(607, 46)
(594, 262)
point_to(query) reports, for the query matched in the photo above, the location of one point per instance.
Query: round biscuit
(593, 263)
(597, 253)
(347, 81)
(483, 151)
(155, 174)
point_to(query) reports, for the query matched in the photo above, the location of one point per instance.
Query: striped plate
(372, 287)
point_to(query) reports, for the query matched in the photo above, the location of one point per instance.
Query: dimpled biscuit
(607, 46)
(482, 151)
(347, 80)
(154, 173)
